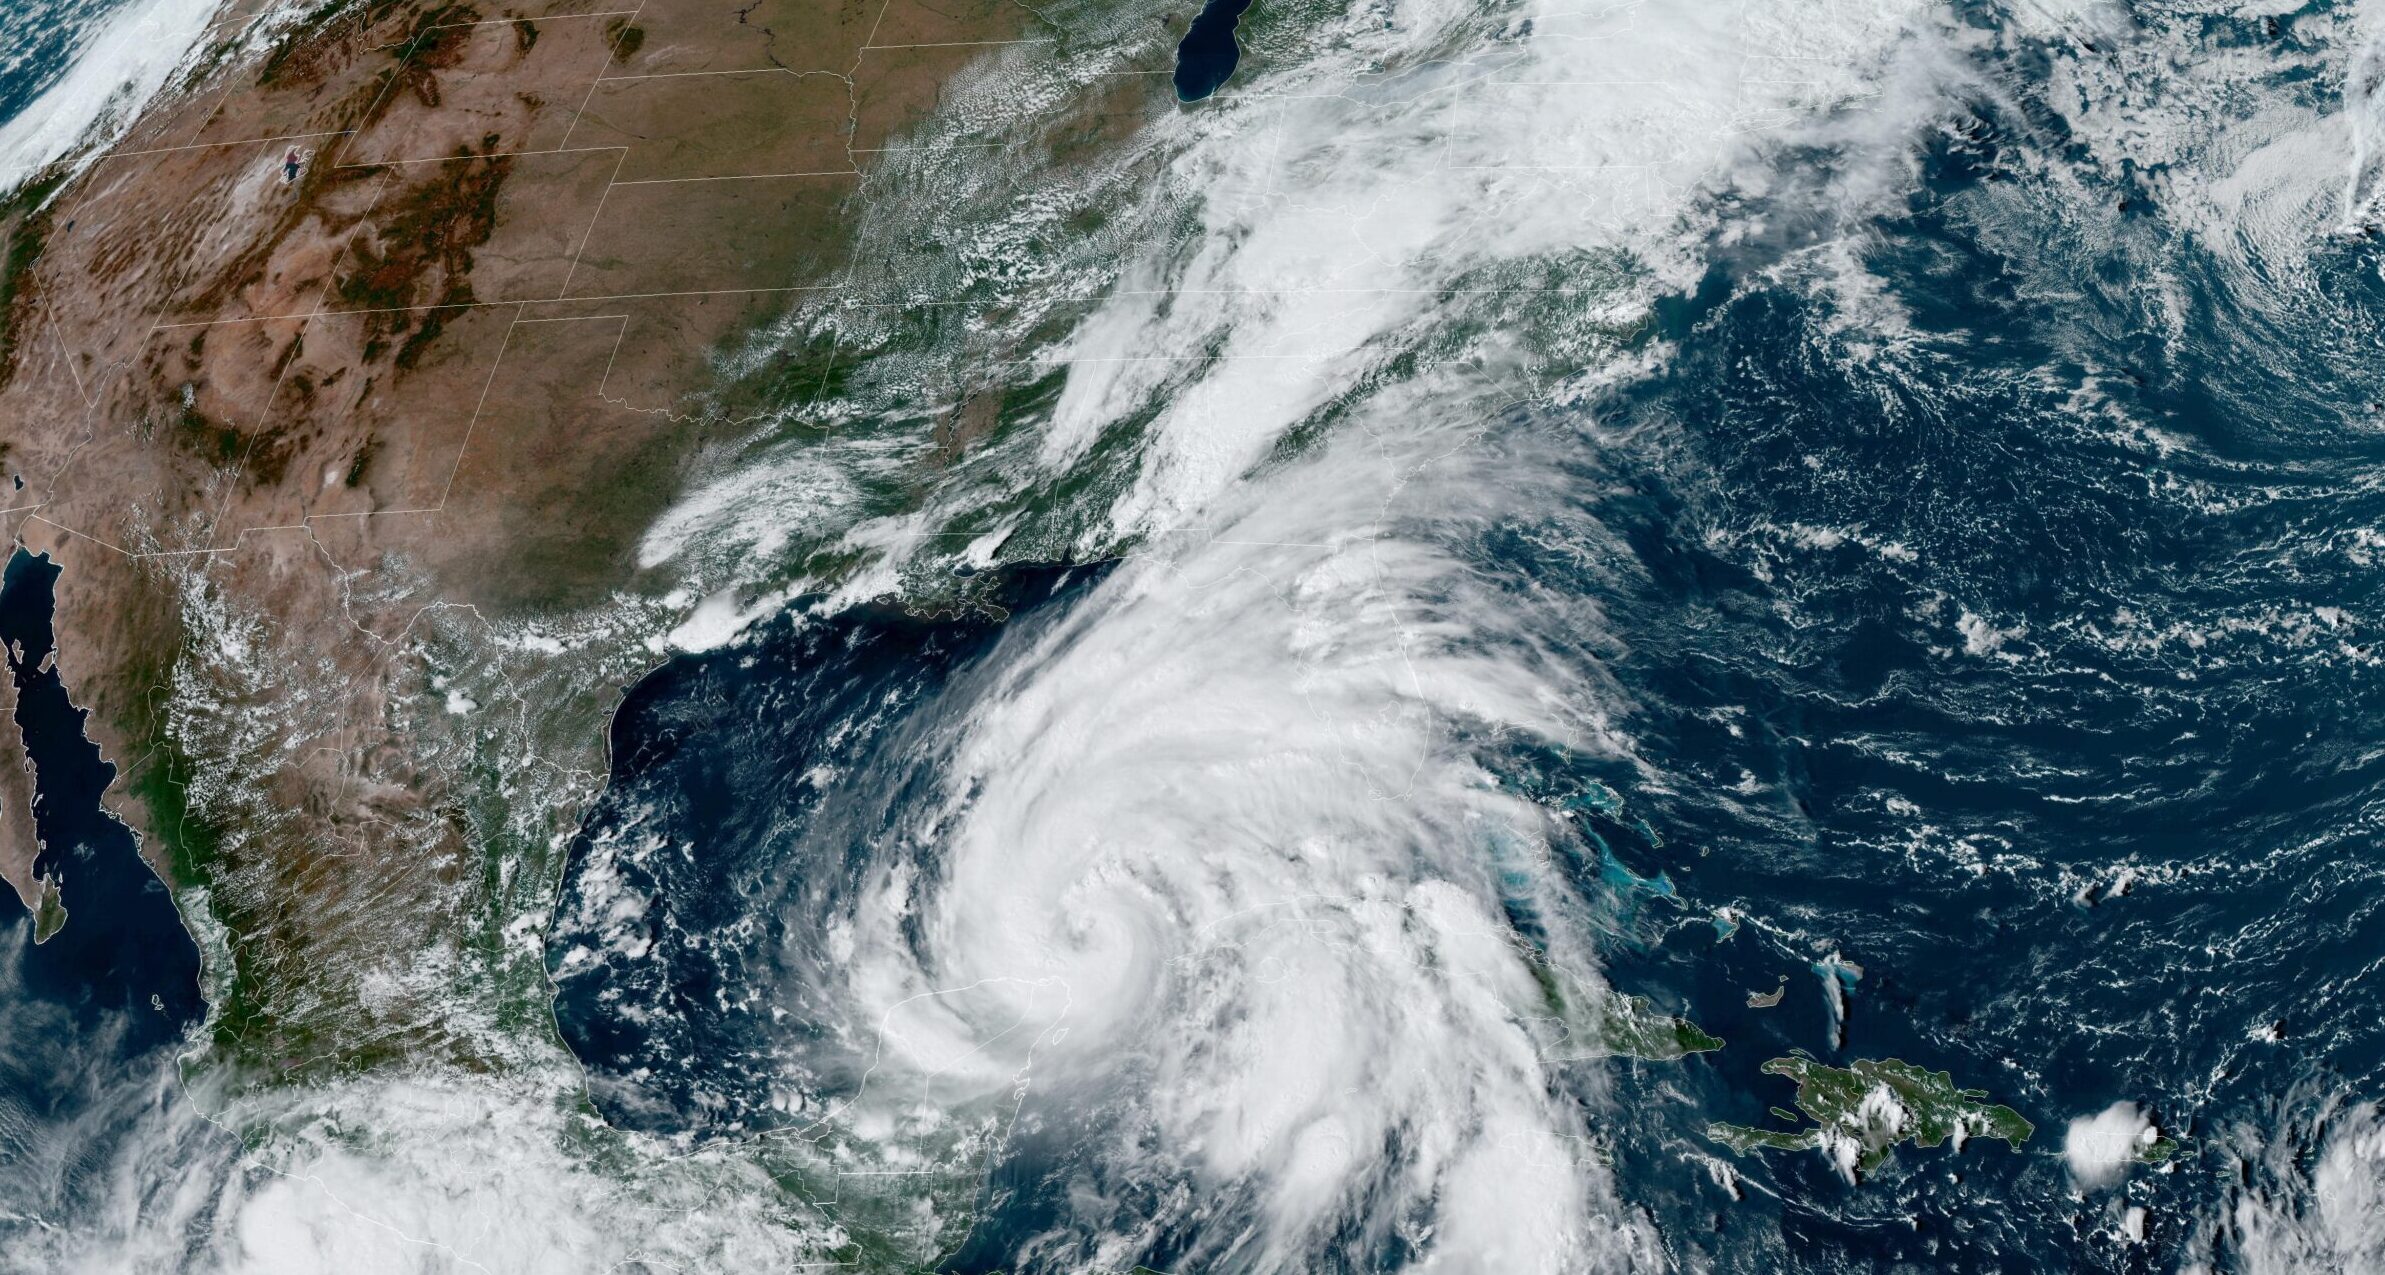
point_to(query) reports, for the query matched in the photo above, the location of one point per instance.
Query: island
(1863, 1110)
(1600, 1022)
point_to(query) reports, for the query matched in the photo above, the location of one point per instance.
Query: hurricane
(1537, 637)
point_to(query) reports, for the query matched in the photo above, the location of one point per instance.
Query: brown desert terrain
(350, 364)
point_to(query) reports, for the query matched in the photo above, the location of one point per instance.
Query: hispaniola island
(1192, 637)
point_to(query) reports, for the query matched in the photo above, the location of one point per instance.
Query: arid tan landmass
(19, 846)
(354, 362)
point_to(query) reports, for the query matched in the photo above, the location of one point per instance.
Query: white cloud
(127, 60)
(1209, 859)
(2309, 1219)
(2099, 1148)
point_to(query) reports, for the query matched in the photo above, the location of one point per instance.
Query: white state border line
(349, 137)
(905, 303)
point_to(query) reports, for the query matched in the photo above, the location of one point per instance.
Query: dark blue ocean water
(102, 1003)
(123, 943)
(89, 1019)
(741, 860)
(2015, 643)
(2156, 540)
(2020, 656)
(1206, 57)
(43, 38)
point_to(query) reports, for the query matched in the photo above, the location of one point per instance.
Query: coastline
(118, 69)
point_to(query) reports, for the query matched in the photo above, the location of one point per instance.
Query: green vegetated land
(1862, 1111)
(1598, 1022)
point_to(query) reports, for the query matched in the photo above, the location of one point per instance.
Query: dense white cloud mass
(2314, 1214)
(127, 54)
(1230, 803)
(2102, 1146)
(1212, 857)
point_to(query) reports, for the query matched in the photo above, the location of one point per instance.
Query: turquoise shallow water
(1997, 648)
(2002, 674)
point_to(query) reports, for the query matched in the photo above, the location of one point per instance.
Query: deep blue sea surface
(90, 1018)
(99, 1005)
(123, 943)
(2029, 627)
(1206, 57)
(714, 819)
(2026, 624)
(43, 38)
(2009, 649)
